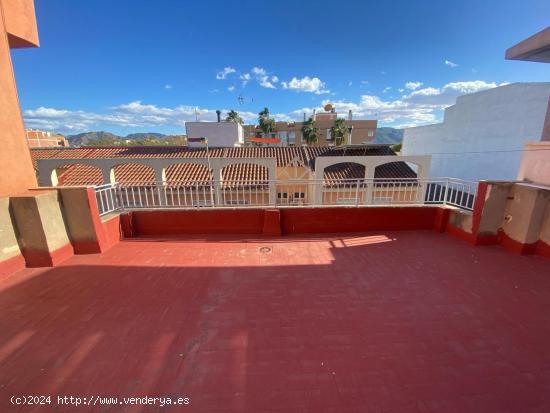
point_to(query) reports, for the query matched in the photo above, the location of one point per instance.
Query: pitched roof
(195, 174)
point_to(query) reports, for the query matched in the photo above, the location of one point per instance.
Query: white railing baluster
(317, 192)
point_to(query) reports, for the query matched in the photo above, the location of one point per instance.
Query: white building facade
(483, 134)
(217, 133)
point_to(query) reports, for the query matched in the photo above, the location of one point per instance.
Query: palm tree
(267, 124)
(339, 131)
(310, 132)
(233, 116)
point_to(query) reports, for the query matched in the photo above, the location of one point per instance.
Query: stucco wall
(20, 22)
(14, 156)
(499, 119)
(535, 163)
(218, 133)
(8, 242)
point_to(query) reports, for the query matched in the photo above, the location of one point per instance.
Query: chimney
(219, 113)
(314, 113)
(350, 116)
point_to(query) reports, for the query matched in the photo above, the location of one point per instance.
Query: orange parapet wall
(17, 29)
(20, 23)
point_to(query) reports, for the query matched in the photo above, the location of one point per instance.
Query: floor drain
(265, 250)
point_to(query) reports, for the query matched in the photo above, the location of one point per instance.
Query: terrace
(263, 279)
(376, 305)
(381, 321)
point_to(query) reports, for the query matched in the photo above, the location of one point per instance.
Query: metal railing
(286, 193)
(107, 198)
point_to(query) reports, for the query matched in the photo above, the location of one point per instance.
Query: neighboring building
(43, 139)
(290, 133)
(219, 133)
(483, 134)
(253, 170)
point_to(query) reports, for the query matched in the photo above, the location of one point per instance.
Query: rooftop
(409, 321)
(80, 174)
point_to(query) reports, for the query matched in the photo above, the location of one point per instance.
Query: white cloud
(167, 86)
(413, 85)
(231, 88)
(245, 78)
(451, 64)
(386, 89)
(446, 95)
(350, 83)
(262, 77)
(306, 84)
(131, 115)
(225, 72)
(420, 106)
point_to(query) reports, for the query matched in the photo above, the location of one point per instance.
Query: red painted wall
(159, 223)
(292, 221)
(111, 232)
(327, 220)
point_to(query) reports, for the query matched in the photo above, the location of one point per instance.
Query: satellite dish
(328, 107)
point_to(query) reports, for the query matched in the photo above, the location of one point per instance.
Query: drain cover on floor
(265, 250)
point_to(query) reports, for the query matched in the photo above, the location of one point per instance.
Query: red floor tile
(382, 322)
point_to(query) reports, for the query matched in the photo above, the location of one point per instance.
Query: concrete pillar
(84, 227)
(369, 176)
(47, 176)
(318, 186)
(108, 174)
(11, 259)
(41, 228)
(217, 177)
(160, 179)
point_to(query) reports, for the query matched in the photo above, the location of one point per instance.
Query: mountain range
(100, 138)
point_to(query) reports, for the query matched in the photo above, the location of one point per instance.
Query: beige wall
(8, 241)
(520, 210)
(492, 215)
(77, 214)
(525, 213)
(39, 221)
(546, 128)
(545, 229)
(535, 164)
(360, 134)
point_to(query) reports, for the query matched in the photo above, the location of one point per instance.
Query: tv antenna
(242, 100)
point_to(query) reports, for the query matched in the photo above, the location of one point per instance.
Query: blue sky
(135, 66)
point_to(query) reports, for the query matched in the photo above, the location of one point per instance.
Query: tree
(310, 132)
(339, 132)
(267, 124)
(233, 116)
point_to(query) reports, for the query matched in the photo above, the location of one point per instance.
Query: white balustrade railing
(107, 198)
(286, 193)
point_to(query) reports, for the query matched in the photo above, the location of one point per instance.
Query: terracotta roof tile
(76, 175)
(192, 174)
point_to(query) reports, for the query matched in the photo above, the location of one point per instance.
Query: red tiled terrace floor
(380, 322)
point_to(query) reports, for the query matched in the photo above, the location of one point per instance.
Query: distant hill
(101, 138)
(144, 135)
(110, 139)
(88, 137)
(388, 135)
